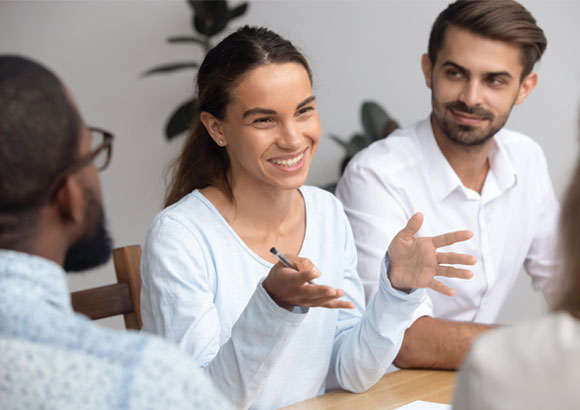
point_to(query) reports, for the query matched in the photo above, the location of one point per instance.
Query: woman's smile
(289, 162)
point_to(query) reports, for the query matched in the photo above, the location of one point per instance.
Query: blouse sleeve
(178, 303)
(366, 342)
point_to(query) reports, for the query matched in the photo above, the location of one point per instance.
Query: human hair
(503, 20)
(39, 137)
(569, 240)
(202, 162)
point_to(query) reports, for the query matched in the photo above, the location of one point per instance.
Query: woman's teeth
(288, 162)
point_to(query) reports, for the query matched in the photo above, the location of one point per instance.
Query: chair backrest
(121, 298)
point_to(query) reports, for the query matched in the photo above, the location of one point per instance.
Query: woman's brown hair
(202, 162)
(570, 242)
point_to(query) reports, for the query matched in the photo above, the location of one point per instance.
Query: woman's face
(271, 128)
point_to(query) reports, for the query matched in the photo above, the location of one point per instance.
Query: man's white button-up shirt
(514, 220)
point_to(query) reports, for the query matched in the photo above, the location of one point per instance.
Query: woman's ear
(213, 127)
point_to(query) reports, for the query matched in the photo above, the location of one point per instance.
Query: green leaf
(186, 39)
(357, 143)
(374, 119)
(237, 11)
(339, 140)
(354, 145)
(211, 16)
(181, 119)
(168, 68)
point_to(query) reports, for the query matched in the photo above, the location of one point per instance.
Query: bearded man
(462, 170)
(52, 221)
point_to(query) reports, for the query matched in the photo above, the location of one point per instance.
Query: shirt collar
(40, 277)
(501, 165)
(444, 179)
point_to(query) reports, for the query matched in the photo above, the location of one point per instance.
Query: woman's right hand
(289, 288)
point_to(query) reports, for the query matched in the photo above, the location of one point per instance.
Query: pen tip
(273, 250)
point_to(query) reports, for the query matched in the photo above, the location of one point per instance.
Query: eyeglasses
(100, 156)
(101, 150)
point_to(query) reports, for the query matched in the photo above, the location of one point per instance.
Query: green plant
(209, 18)
(377, 124)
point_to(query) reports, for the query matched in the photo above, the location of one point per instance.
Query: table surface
(392, 391)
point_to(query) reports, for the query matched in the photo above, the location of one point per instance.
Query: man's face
(94, 246)
(474, 84)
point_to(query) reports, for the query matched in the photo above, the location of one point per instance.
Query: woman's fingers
(289, 287)
(337, 304)
(306, 276)
(441, 288)
(451, 272)
(452, 258)
(412, 227)
(450, 238)
(321, 296)
(313, 292)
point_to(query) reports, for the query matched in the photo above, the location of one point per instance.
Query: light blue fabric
(52, 358)
(202, 289)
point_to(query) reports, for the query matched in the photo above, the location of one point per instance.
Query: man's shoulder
(517, 143)
(400, 150)
(95, 362)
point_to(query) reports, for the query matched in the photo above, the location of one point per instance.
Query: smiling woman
(270, 137)
(209, 282)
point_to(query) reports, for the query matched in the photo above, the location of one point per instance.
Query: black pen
(282, 258)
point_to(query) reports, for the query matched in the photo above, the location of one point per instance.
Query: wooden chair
(121, 298)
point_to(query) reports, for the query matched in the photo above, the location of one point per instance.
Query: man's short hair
(503, 20)
(39, 138)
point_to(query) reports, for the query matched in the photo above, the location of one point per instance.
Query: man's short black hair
(39, 137)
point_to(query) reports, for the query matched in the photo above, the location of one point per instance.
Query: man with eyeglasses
(52, 221)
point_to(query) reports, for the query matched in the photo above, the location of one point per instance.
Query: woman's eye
(264, 121)
(305, 110)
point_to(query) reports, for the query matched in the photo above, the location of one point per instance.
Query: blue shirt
(202, 289)
(53, 358)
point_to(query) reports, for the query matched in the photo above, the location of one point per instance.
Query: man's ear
(526, 87)
(69, 201)
(427, 68)
(214, 128)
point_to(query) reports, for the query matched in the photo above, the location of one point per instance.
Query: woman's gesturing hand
(289, 288)
(414, 262)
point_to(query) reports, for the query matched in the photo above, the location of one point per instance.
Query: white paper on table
(425, 405)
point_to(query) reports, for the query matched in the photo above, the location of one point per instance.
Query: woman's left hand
(414, 262)
(289, 287)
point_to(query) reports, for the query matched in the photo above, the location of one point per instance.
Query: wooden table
(392, 391)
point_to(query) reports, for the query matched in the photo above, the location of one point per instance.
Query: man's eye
(494, 82)
(454, 74)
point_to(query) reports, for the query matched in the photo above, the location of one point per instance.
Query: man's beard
(93, 249)
(464, 134)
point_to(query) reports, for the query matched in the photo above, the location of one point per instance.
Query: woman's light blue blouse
(202, 289)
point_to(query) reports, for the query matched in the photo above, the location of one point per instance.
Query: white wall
(359, 50)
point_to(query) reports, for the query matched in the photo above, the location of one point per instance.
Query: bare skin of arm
(437, 344)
